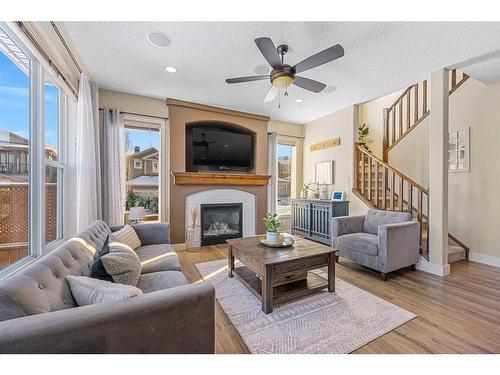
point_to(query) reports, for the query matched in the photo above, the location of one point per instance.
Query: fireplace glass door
(220, 222)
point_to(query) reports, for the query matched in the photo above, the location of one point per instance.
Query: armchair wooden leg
(413, 267)
(336, 258)
(383, 276)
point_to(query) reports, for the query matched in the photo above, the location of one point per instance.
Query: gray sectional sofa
(39, 315)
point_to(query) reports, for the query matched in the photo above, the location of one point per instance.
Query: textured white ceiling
(380, 57)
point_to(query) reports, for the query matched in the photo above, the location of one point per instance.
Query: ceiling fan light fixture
(283, 82)
(170, 69)
(299, 100)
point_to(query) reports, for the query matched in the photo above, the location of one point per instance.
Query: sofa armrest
(346, 224)
(153, 233)
(176, 320)
(399, 245)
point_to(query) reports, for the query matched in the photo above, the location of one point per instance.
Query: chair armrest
(176, 320)
(399, 245)
(346, 224)
(153, 233)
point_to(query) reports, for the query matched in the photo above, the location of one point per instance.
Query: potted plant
(363, 133)
(306, 189)
(272, 227)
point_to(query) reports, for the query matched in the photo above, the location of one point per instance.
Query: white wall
(341, 124)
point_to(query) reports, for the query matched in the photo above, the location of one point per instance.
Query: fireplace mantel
(202, 178)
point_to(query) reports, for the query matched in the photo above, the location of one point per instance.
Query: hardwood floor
(456, 314)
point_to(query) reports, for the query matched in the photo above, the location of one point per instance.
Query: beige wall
(341, 124)
(372, 114)
(474, 197)
(142, 105)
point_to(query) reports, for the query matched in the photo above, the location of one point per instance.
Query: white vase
(272, 238)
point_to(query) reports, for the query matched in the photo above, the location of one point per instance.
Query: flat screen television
(216, 148)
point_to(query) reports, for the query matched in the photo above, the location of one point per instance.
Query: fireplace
(220, 222)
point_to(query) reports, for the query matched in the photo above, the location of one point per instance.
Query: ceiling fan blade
(320, 58)
(309, 84)
(247, 79)
(268, 50)
(271, 94)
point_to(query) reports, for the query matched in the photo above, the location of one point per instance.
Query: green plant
(272, 223)
(363, 132)
(136, 200)
(306, 188)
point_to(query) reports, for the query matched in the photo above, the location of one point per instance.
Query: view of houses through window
(285, 176)
(17, 133)
(141, 169)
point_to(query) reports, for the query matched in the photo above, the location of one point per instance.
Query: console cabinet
(311, 218)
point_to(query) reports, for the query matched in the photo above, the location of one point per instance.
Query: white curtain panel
(87, 157)
(272, 166)
(113, 151)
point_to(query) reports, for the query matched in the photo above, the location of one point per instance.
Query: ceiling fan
(283, 75)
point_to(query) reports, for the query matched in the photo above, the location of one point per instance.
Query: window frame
(38, 70)
(137, 166)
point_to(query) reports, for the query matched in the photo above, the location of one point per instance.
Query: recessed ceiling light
(299, 100)
(170, 69)
(158, 39)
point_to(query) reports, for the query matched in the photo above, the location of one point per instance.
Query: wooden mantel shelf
(202, 178)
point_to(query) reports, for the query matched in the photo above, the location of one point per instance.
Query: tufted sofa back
(374, 218)
(42, 286)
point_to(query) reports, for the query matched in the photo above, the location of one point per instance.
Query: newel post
(385, 141)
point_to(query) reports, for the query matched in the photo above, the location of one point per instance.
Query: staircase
(381, 186)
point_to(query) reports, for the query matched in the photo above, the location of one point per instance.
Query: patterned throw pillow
(122, 263)
(88, 291)
(127, 236)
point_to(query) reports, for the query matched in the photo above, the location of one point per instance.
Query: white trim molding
(484, 259)
(435, 269)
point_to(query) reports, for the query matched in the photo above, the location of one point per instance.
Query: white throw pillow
(128, 236)
(88, 291)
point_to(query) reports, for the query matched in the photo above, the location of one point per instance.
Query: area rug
(321, 323)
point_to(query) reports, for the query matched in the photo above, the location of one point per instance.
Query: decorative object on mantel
(325, 144)
(272, 227)
(193, 232)
(306, 189)
(202, 178)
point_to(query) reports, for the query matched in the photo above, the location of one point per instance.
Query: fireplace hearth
(220, 222)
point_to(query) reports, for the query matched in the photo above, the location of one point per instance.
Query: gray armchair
(381, 240)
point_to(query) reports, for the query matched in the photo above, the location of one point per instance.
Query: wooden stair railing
(409, 110)
(383, 187)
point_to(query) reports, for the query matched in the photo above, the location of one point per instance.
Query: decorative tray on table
(280, 244)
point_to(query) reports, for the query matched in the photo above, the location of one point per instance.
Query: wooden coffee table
(277, 275)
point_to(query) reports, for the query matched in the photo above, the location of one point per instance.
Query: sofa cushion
(374, 218)
(127, 236)
(365, 243)
(156, 258)
(122, 263)
(9, 309)
(151, 282)
(98, 271)
(88, 291)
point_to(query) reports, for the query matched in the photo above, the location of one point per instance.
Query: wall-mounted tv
(217, 147)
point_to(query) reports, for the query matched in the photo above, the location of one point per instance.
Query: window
(143, 144)
(31, 162)
(286, 178)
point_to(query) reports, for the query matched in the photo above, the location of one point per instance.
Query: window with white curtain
(32, 159)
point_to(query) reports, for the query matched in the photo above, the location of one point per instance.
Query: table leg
(230, 261)
(331, 273)
(267, 290)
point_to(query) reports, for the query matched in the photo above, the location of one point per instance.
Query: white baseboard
(485, 259)
(435, 269)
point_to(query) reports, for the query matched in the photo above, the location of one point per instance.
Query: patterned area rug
(322, 323)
